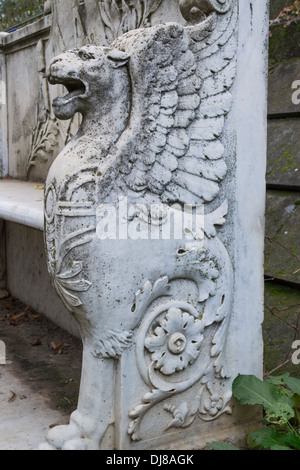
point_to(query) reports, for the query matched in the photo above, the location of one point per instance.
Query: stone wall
(282, 243)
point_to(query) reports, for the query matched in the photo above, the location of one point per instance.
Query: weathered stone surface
(282, 255)
(3, 112)
(281, 79)
(283, 166)
(25, 104)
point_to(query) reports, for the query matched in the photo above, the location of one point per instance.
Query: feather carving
(181, 78)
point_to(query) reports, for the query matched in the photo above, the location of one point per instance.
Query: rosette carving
(175, 343)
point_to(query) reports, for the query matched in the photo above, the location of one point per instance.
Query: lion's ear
(117, 58)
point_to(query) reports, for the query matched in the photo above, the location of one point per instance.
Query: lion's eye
(84, 55)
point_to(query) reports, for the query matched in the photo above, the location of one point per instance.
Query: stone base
(232, 429)
(236, 435)
(28, 278)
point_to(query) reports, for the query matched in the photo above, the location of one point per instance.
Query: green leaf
(292, 440)
(293, 384)
(250, 390)
(277, 380)
(221, 446)
(280, 414)
(268, 438)
(278, 447)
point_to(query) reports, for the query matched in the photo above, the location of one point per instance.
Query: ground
(39, 384)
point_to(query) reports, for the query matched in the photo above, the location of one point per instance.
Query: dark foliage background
(13, 12)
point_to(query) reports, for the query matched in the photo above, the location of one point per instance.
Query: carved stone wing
(181, 77)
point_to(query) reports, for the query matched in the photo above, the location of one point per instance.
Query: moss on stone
(282, 309)
(284, 42)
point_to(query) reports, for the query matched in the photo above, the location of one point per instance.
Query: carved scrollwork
(195, 10)
(170, 343)
(171, 359)
(208, 406)
(68, 279)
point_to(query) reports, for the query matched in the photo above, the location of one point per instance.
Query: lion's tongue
(64, 99)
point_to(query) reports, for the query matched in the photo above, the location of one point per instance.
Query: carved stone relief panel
(140, 211)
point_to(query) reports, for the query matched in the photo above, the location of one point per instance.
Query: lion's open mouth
(75, 87)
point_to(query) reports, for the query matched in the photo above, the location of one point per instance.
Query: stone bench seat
(22, 202)
(23, 271)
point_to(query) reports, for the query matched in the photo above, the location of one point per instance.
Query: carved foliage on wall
(43, 141)
(121, 16)
(49, 132)
(46, 136)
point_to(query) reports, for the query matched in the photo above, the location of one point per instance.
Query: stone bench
(22, 202)
(23, 271)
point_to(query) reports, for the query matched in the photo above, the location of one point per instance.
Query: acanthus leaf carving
(169, 341)
(43, 141)
(66, 285)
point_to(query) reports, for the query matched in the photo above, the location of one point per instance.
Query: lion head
(91, 74)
